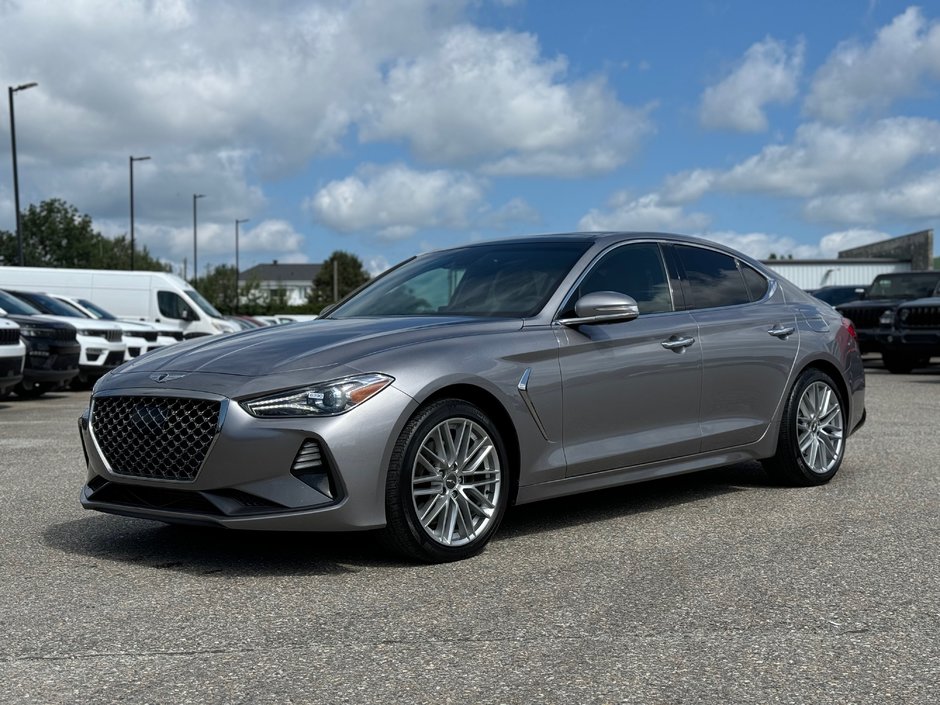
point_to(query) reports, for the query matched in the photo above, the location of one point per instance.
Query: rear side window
(713, 278)
(756, 283)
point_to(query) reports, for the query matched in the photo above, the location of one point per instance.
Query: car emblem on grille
(166, 376)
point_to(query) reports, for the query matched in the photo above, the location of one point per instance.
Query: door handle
(781, 332)
(677, 344)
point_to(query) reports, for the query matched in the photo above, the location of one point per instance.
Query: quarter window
(635, 270)
(756, 283)
(713, 277)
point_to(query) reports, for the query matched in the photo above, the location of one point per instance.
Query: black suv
(52, 350)
(884, 295)
(914, 336)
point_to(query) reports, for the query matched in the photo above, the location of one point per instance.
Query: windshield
(904, 286)
(11, 304)
(97, 310)
(509, 280)
(48, 304)
(202, 303)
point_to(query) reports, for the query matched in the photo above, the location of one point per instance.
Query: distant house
(288, 282)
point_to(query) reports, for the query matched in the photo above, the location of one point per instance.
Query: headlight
(37, 332)
(887, 318)
(90, 333)
(222, 327)
(324, 399)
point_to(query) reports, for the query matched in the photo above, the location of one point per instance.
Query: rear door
(627, 399)
(749, 341)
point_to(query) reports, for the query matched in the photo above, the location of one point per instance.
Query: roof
(281, 272)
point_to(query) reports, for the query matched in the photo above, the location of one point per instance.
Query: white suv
(140, 337)
(12, 355)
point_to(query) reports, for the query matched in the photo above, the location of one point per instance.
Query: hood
(300, 346)
(84, 323)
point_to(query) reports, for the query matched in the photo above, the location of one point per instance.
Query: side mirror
(603, 307)
(186, 314)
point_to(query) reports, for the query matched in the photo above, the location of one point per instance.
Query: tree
(55, 234)
(351, 275)
(217, 285)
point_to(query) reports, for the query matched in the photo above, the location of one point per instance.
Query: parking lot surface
(710, 588)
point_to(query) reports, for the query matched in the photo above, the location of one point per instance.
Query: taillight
(850, 327)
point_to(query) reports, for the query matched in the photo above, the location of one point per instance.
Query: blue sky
(389, 127)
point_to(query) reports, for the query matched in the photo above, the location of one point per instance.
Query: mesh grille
(9, 336)
(162, 438)
(919, 317)
(866, 317)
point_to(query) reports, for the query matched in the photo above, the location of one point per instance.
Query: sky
(391, 127)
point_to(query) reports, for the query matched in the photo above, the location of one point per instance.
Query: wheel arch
(493, 408)
(833, 372)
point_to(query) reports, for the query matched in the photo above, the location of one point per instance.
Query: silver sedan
(464, 381)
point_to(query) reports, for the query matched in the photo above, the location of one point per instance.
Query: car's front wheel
(811, 444)
(448, 483)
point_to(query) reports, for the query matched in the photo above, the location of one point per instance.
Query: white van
(142, 296)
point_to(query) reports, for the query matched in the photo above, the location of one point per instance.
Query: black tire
(789, 465)
(899, 363)
(31, 390)
(404, 531)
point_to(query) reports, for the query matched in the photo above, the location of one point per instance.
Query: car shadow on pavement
(210, 551)
(625, 500)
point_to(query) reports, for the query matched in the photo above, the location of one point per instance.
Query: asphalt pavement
(710, 588)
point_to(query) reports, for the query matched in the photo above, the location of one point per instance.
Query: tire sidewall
(803, 383)
(402, 465)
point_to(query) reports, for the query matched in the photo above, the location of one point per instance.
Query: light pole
(196, 197)
(131, 162)
(16, 178)
(237, 223)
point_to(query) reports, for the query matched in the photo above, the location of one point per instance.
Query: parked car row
(49, 341)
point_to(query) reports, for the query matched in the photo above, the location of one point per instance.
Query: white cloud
(916, 198)
(768, 73)
(516, 210)
(761, 245)
(832, 244)
(646, 213)
(491, 97)
(687, 186)
(376, 264)
(395, 201)
(858, 77)
(824, 158)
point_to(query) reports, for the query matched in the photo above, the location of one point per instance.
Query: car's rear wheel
(811, 444)
(448, 483)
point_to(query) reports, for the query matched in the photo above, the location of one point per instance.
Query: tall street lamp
(237, 223)
(196, 197)
(131, 162)
(16, 179)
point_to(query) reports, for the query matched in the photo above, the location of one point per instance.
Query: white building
(817, 273)
(293, 282)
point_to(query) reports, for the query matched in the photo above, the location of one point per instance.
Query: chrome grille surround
(155, 437)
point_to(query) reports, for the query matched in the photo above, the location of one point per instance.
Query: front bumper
(919, 343)
(245, 481)
(11, 368)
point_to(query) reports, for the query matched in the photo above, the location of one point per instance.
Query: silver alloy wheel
(456, 482)
(819, 427)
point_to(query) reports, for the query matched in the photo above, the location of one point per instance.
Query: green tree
(55, 234)
(350, 275)
(217, 284)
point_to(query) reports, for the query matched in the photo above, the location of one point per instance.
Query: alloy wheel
(819, 427)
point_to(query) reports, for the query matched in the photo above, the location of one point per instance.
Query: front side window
(713, 277)
(506, 280)
(635, 270)
(172, 306)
